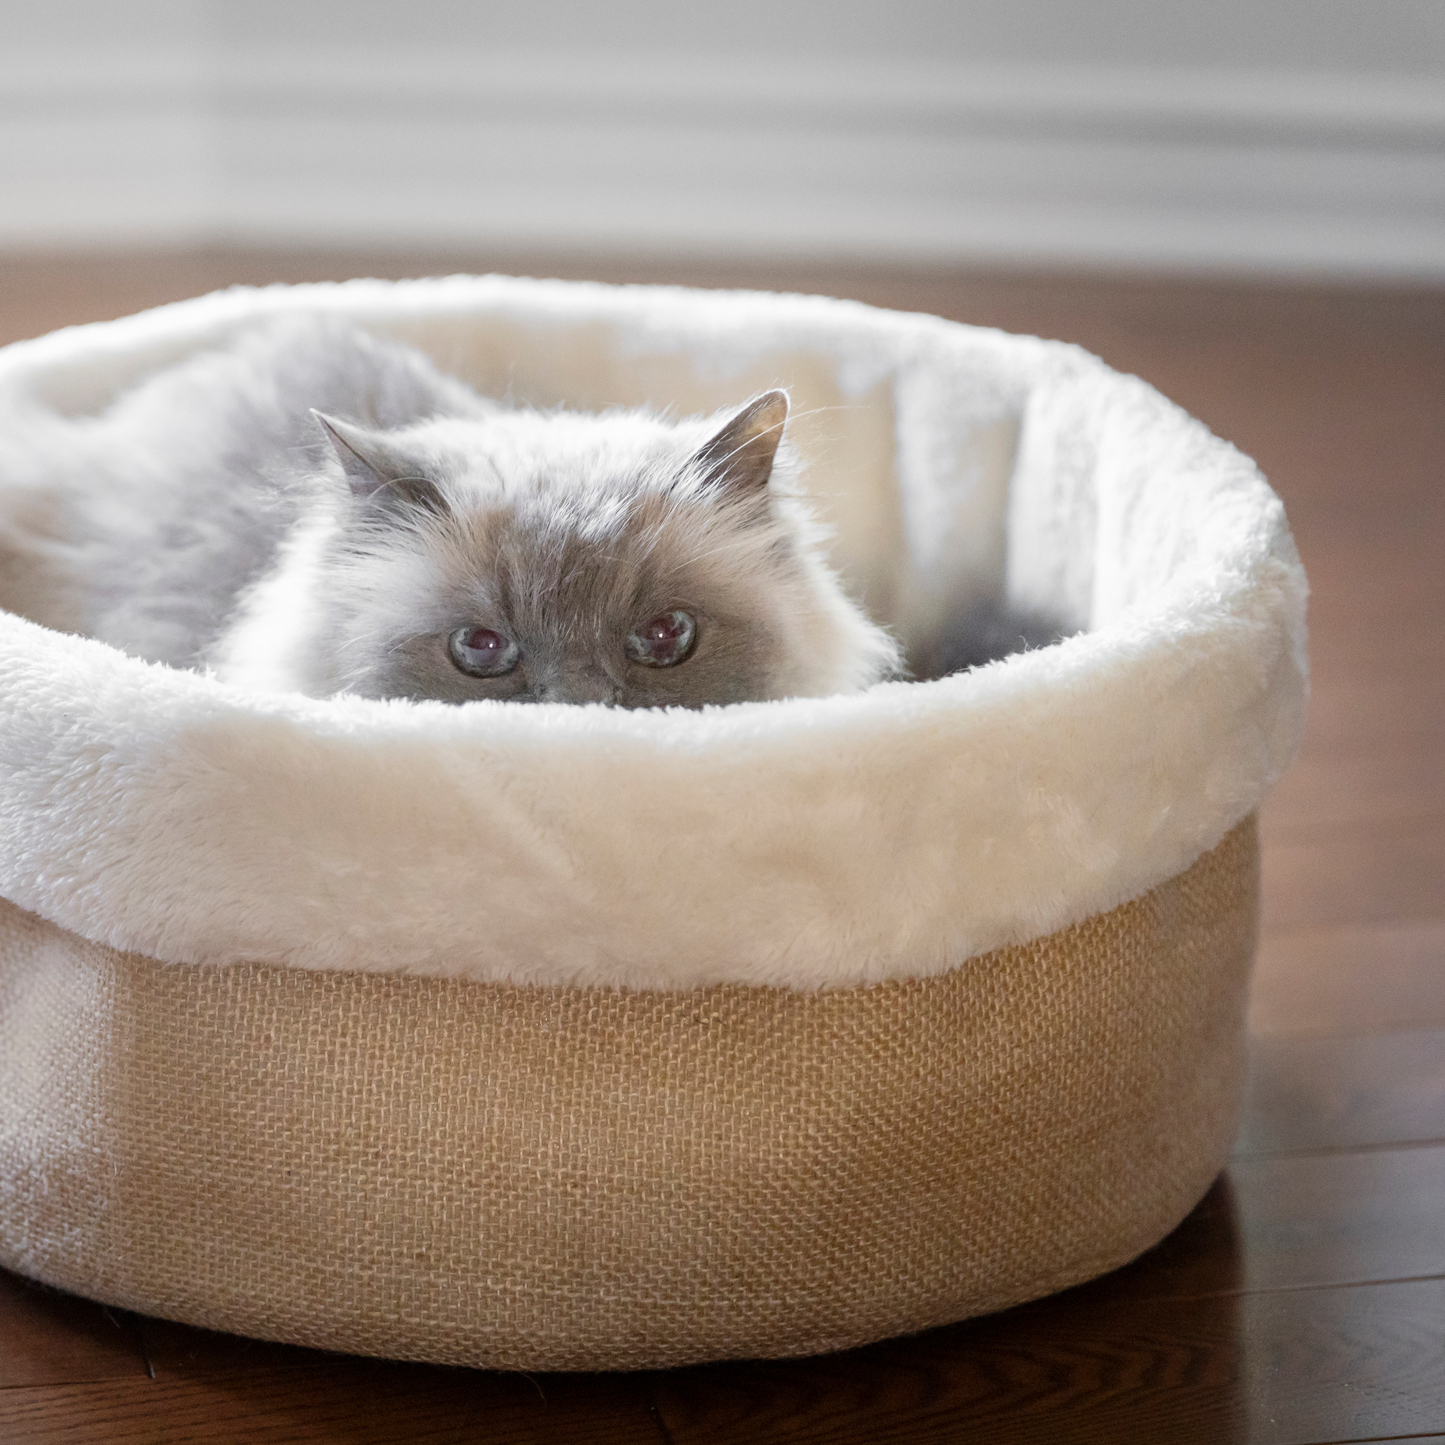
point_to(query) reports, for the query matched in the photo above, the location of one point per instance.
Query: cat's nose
(579, 687)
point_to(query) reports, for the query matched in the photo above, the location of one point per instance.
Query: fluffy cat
(310, 508)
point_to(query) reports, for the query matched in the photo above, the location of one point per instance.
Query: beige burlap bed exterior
(591, 1178)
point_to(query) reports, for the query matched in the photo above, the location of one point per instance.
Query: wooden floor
(1304, 1300)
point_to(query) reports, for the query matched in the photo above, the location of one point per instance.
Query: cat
(310, 508)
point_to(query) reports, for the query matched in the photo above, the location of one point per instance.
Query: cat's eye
(481, 652)
(662, 641)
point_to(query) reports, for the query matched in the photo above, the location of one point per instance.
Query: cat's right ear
(372, 464)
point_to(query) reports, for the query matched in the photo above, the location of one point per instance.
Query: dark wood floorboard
(1357, 1092)
(1340, 1218)
(50, 1338)
(1322, 979)
(1334, 786)
(1371, 873)
(1295, 1367)
(358, 1402)
(1301, 1221)
(1303, 1301)
(1361, 712)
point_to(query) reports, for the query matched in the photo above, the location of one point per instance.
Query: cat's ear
(740, 457)
(375, 469)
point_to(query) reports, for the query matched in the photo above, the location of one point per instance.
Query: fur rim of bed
(952, 1015)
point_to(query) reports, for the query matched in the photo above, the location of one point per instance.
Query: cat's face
(613, 559)
(532, 603)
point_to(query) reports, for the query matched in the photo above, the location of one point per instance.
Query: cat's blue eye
(662, 641)
(481, 652)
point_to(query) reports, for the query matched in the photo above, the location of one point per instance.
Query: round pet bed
(576, 1038)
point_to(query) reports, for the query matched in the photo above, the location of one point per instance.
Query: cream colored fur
(808, 843)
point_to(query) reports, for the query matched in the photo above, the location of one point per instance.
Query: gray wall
(1304, 135)
(1405, 37)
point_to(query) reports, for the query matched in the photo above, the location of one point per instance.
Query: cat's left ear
(740, 457)
(372, 463)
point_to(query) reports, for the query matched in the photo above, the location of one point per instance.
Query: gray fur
(211, 518)
(985, 634)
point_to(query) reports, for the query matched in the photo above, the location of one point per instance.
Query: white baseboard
(1312, 174)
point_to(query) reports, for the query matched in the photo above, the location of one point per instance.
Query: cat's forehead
(520, 452)
(556, 549)
(595, 523)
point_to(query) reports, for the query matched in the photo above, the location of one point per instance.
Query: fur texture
(810, 843)
(204, 519)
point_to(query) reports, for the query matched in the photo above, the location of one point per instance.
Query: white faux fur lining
(275, 620)
(811, 843)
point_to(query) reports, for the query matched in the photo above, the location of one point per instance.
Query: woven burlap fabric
(544, 1177)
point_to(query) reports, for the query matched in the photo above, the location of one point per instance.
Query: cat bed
(577, 1038)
